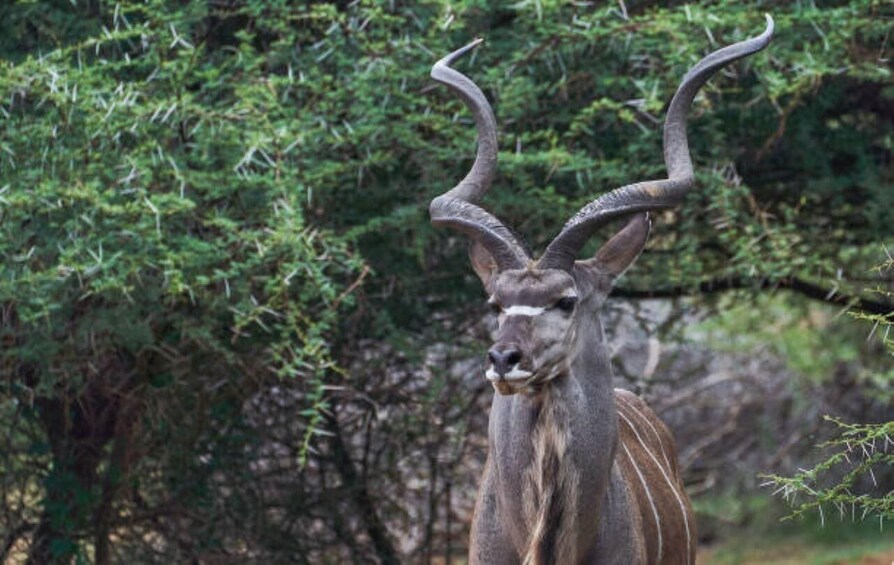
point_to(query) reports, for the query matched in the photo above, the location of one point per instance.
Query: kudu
(577, 472)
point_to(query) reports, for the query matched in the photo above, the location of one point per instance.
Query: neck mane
(551, 487)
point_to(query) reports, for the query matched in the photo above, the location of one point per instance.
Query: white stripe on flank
(654, 431)
(514, 374)
(524, 310)
(642, 481)
(669, 483)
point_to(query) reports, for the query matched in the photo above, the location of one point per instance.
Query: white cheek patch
(514, 374)
(524, 311)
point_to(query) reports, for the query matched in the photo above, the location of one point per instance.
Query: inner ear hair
(484, 264)
(618, 253)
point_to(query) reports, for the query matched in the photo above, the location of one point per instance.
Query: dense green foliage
(191, 194)
(860, 449)
(156, 256)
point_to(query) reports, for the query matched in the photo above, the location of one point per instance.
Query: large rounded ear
(484, 264)
(619, 252)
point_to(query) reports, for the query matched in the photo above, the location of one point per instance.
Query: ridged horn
(655, 194)
(458, 207)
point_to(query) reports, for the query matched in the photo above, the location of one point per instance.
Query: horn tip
(771, 26)
(452, 57)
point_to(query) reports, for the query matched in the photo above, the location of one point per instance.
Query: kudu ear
(484, 264)
(618, 253)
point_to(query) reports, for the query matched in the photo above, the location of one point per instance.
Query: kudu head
(542, 302)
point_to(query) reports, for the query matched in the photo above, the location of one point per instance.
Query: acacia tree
(157, 265)
(187, 191)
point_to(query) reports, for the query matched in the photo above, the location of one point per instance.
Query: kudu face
(542, 303)
(538, 310)
(536, 313)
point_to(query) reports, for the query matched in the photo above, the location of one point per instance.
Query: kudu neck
(555, 449)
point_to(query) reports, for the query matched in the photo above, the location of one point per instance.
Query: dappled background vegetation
(229, 333)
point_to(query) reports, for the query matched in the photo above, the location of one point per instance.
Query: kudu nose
(504, 358)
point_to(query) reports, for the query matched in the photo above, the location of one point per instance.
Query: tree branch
(805, 288)
(356, 486)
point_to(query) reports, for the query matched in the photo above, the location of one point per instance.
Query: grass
(798, 551)
(749, 532)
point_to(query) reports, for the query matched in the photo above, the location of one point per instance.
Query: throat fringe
(550, 494)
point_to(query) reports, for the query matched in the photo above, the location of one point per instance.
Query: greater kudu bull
(577, 472)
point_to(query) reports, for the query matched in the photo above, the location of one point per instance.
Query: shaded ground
(762, 539)
(799, 552)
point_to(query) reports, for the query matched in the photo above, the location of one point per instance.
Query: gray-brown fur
(556, 489)
(576, 472)
(550, 489)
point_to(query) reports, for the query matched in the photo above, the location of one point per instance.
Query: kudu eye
(495, 308)
(566, 303)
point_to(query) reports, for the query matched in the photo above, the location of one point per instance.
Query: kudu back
(577, 472)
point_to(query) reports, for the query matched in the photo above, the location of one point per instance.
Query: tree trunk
(78, 429)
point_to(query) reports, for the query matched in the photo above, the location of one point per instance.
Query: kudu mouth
(511, 374)
(528, 385)
(506, 370)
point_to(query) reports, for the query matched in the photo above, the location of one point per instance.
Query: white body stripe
(666, 478)
(524, 310)
(642, 481)
(654, 431)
